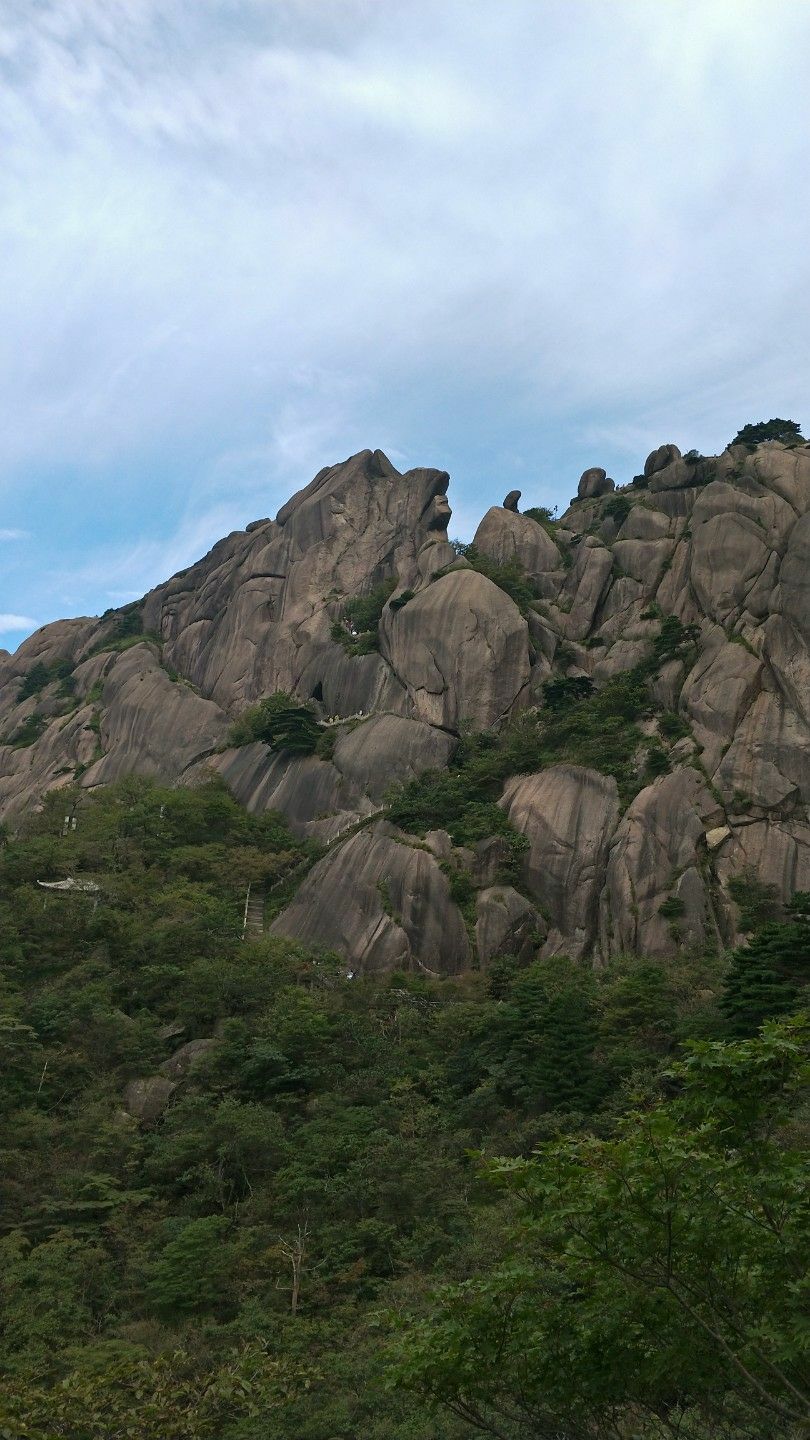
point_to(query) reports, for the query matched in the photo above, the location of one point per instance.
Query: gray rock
(585, 588)
(491, 855)
(718, 692)
(180, 1063)
(506, 923)
(660, 459)
(568, 814)
(150, 725)
(723, 544)
(768, 762)
(381, 903)
(654, 846)
(312, 794)
(593, 483)
(505, 536)
(388, 750)
(145, 1100)
(510, 501)
(731, 554)
(461, 647)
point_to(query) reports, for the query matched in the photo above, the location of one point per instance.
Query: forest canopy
(317, 1163)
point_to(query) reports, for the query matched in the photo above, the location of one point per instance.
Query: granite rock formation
(721, 544)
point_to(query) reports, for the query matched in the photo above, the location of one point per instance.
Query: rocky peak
(690, 585)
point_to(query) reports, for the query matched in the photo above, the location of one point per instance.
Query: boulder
(510, 501)
(180, 1063)
(655, 856)
(461, 648)
(145, 1100)
(505, 536)
(593, 483)
(569, 814)
(776, 852)
(718, 692)
(659, 459)
(381, 903)
(767, 764)
(734, 554)
(388, 750)
(314, 796)
(151, 725)
(506, 923)
(586, 586)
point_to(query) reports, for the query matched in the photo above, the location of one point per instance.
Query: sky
(243, 239)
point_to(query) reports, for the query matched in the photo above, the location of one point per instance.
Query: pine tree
(767, 976)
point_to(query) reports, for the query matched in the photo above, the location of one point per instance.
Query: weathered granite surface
(722, 543)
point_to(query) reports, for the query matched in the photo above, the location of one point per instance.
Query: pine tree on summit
(767, 976)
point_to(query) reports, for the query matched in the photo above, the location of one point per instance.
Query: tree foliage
(655, 1280)
(196, 1273)
(280, 721)
(787, 431)
(767, 977)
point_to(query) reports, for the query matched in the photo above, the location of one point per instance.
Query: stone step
(254, 914)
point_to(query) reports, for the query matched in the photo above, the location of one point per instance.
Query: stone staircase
(254, 913)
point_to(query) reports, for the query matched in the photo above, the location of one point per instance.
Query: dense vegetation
(788, 431)
(280, 721)
(260, 1256)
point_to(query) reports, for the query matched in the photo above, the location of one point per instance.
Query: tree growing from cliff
(787, 431)
(279, 721)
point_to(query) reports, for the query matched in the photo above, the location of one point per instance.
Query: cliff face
(722, 545)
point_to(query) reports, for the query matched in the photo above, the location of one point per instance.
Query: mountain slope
(585, 821)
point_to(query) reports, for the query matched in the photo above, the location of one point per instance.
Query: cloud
(13, 534)
(241, 241)
(16, 622)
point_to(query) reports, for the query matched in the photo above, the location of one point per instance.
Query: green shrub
(558, 694)
(672, 726)
(767, 977)
(657, 760)
(402, 599)
(28, 733)
(126, 630)
(279, 721)
(618, 508)
(672, 908)
(543, 516)
(41, 675)
(675, 641)
(787, 431)
(356, 629)
(509, 577)
(757, 901)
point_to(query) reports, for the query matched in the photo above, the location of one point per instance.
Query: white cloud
(16, 622)
(13, 534)
(241, 241)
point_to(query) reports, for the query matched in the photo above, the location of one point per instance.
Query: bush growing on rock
(788, 431)
(279, 721)
(567, 690)
(357, 628)
(509, 576)
(618, 508)
(41, 675)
